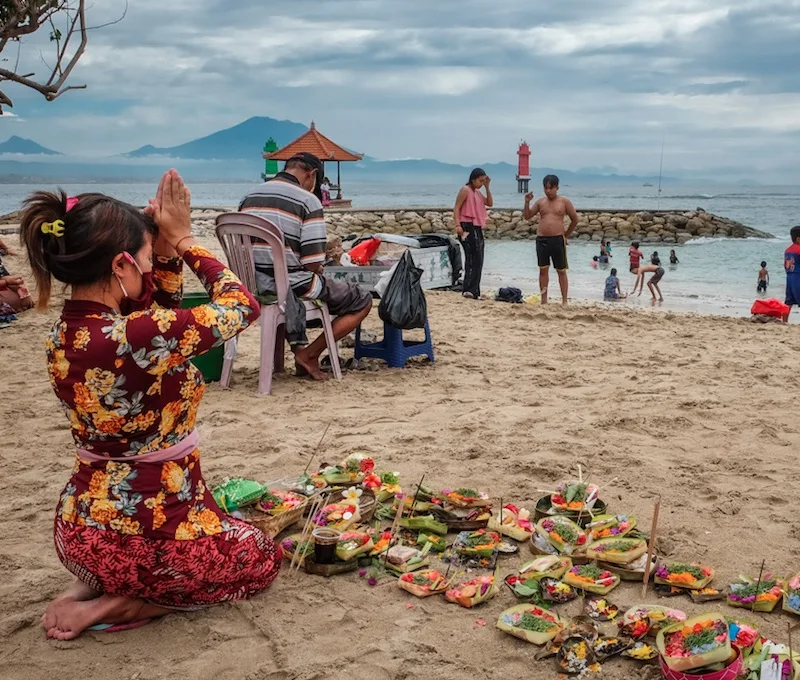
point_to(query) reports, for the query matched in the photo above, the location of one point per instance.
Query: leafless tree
(66, 20)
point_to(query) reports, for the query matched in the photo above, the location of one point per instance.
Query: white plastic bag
(383, 280)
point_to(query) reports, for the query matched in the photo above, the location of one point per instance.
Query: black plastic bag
(403, 305)
(509, 295)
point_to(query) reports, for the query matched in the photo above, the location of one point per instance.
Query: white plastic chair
(236, 232)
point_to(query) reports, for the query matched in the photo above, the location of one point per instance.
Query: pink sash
(175, 452)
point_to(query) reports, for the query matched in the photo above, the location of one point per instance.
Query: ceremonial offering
(683, 575)
(791, 595)
(606, 647)
(403, 559)
(574, 495)
(294, 543)
(389, 486)
(617, 550)
(426, 523)
(471, 593)
(553, 566)
(544, 508)
(697, 642)
(600, 609)
(610, 526)
(480, 543)
(352, 470)
(758, 596)
(576, 656)
(564, 534)
(513, 522)
(647, 619)
(706, 594)
(641, 651)
(351, 544)
(465, 498)
(530, 622)
(340, 516)
(592, 579)
(438, 544)
(557, 591)
(423, 583)
(237, 493)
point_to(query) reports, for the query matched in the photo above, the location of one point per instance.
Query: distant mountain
(243, 141)
(27, 147)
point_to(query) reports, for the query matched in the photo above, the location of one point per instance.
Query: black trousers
(473, 252)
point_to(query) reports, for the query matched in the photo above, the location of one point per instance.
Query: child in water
(763, 279)
(612, 290)
(673, 258)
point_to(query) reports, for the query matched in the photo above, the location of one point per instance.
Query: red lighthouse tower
(523, 168)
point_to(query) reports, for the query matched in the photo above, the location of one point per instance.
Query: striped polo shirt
(298, 214)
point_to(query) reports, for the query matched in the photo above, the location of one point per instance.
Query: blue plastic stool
(393, 349)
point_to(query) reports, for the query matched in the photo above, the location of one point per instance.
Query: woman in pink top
(469, 217)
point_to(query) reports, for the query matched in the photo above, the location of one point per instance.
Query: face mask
(129, 304)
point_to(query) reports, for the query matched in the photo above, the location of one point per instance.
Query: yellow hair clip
(55, 228)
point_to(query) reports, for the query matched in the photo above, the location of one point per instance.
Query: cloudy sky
(587, 83)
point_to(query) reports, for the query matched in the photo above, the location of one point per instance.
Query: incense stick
(401, 504)
(416, 495)
(318, 505)
(650, 546)
(316, 450)
(758, 584)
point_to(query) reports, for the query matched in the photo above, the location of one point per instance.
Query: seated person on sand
(14, 296)
(658, 273)
(613, 291)
(136, 522)
(288, 202)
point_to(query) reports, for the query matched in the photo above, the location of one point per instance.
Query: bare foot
(308, 367)
(70, 617)
(77, 592)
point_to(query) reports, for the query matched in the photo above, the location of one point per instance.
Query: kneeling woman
(136, 523)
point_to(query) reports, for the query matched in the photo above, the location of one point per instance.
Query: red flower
(581, 539)
(372, 481)
(367, 465)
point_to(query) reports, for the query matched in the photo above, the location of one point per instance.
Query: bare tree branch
(20, 18)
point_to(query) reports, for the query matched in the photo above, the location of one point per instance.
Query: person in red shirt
(636, 255)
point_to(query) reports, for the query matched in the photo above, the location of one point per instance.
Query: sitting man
(292, 202)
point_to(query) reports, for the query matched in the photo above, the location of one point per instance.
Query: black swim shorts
(657, 275)
(552, 248)
(762, 287)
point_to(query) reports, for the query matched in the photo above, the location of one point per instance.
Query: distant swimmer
(763, 279)
(673, 258)
(551, 237)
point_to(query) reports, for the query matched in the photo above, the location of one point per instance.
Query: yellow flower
(59, 366)
(126, 525)
(103, 511)
(187, 389)
(119, 330)
(164, 318)
(99, 382)
(144, 421)
(169, 282)
(201, 491)
(74, 421)
(190, 340)
(85, 401)
(118, 362)
(169, 416)
(98, 485)
(199, 251)
(108, 422)
(232, 298)
(205, 315)
(209, 522)
(82, 338)
(172, 476)
(68, 510)
(117, 472)
(186, 531)
(84, 497)
(156, 504)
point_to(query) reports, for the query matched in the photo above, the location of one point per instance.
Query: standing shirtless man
(551, 237)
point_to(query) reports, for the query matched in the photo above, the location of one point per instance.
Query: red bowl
(730, 672)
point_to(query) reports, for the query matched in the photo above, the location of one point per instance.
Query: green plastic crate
(210, 363)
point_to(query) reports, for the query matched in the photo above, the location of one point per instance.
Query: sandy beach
(698, 410)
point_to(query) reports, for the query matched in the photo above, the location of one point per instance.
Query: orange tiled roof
(314, 142)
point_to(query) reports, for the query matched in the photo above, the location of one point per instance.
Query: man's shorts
(762, 287)
(657, 275)
(552, 248)
(343, 298)
(792, 290)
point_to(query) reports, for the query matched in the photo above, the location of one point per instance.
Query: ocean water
(714, 276)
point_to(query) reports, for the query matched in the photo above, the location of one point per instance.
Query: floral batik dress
(146, 526)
